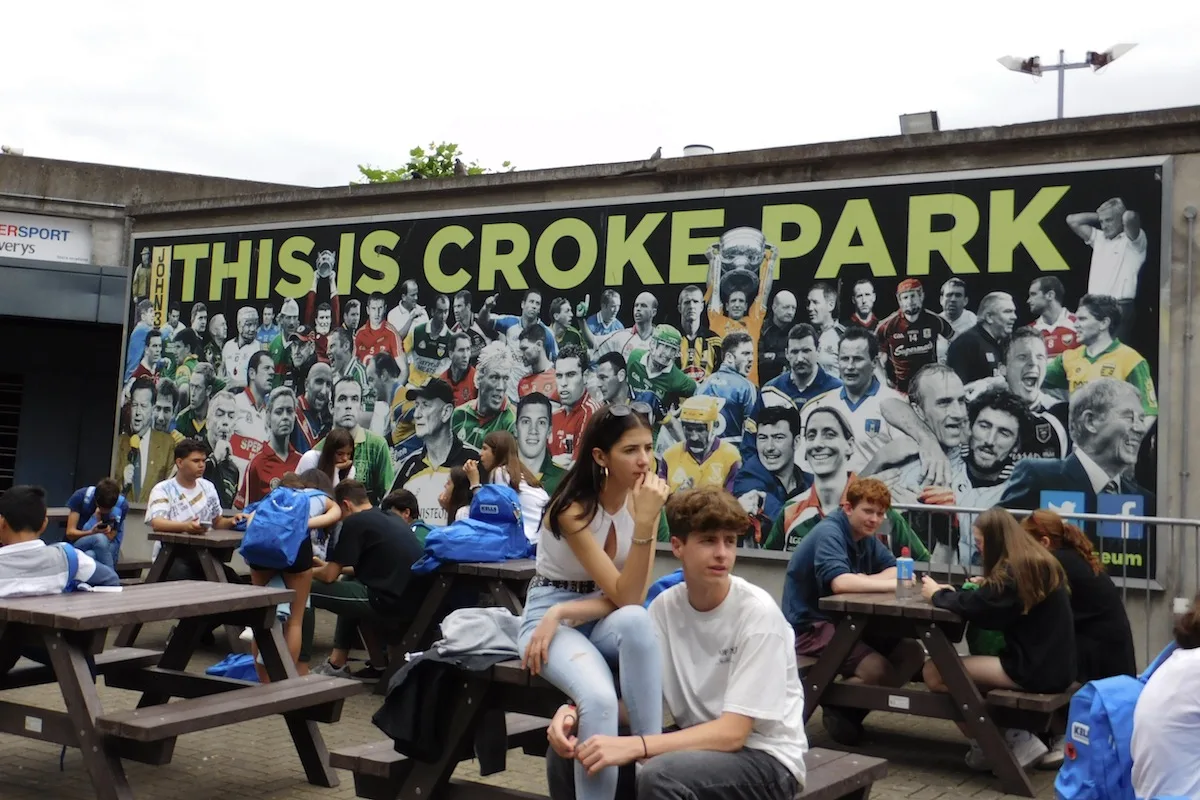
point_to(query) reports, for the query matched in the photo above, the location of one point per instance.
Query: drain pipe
(1189, 214)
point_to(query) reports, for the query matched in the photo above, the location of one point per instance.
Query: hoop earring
(603, 474)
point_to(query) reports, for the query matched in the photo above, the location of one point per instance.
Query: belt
(578, 587)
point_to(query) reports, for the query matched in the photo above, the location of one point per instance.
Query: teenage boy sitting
(729, 678)
(842, 554)
(96, 521)
(28, 566)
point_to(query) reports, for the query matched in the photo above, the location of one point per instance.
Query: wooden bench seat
(833, 775)
(311, 694)
(379, 770)
(111, 660)
(1029, 711)
(131, 568)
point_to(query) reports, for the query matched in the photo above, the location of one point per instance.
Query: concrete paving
(256, 759)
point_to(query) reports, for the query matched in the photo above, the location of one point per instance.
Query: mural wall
(971, 339)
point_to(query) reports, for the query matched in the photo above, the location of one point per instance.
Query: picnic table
(505, 582)
(72, 627)
(212, 549)
(937, 629)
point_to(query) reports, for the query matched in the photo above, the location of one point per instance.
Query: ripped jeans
(581, 663)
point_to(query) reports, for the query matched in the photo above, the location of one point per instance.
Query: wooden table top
(885, 604)
(151, 602)
(214, 539)
(518, 570)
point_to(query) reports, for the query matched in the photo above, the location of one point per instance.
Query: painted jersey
(372, 341)
(679, 467)
(1059, 336)
(1075, 367)
(700, 355)
(426, 481)
(430, 353)
(567, 424)
(910, 345)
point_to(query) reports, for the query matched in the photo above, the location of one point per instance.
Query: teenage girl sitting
(1023, 594)
(583, 613)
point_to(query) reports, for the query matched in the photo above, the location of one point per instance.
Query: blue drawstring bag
(471, 541)
(278, 529)
(239, 666)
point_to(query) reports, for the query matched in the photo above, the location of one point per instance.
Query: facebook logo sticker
(1132, 505)
(1065, 504)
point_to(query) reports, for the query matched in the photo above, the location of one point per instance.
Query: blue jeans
(581, 662)
(100, 548)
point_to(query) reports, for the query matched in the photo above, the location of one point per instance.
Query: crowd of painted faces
(956, 407)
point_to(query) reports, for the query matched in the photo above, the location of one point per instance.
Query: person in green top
(490, 411)
(1100, 354)
(828, 442)
(372, 456)
(187, 355)
(561, 317)
(655, 377)
(281, 353)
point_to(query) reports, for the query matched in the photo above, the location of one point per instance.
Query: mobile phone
(206, 524)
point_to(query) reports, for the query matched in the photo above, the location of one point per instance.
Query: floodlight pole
(1061, 68)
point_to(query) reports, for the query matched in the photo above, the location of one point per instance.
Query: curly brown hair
(869, 490)
(1043, 524)
(1187, 629)
(705, 509)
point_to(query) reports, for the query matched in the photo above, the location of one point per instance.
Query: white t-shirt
(171, 501)
(1166, 730)
(1116, 263)
(556, 560)
(533, 503)
(739, 658)
(310, 460)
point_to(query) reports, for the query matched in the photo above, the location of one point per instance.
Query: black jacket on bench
(1039, 647)
(421, 696)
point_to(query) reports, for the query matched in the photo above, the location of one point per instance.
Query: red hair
(1046, 524)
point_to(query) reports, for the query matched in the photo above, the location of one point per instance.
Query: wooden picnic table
(71, 627)
(937, 629)
(212, 549)
(504, 581)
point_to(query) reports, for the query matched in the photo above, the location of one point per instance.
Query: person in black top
(978, 353)
(1023, 594)
(1103, 639)
(381, 548)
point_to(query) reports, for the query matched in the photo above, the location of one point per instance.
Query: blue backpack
(1097, 763)
(497, 504)
(278, 529)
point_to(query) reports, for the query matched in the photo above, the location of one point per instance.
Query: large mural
(970, 338)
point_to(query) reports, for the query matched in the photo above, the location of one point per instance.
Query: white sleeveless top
(556, 561)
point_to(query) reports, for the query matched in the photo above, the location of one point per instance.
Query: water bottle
(904, 575)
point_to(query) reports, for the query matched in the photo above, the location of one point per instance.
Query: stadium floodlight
(1033, 65)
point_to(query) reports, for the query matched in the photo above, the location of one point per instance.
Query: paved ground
(256, 759)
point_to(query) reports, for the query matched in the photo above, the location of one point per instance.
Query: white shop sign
(45, 238)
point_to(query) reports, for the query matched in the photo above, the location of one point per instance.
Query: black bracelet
(645, 751)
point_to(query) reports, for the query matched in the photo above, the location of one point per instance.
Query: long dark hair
(1010, 555)
(585, 479)
(460, 493)
(504, 453)
(337, 440)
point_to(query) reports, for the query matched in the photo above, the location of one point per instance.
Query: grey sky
(300, 92)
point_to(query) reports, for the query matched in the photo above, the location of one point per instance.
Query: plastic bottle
(904, 575)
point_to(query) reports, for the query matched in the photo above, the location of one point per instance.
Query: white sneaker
(1054, 757)
(1027, 748)
(976, 759)
(247, 635)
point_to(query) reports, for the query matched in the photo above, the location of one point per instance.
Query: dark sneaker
(842, 725)
(367, 674)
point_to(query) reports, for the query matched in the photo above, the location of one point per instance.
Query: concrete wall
(100, 193)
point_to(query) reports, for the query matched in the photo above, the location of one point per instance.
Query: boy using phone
(96, 521)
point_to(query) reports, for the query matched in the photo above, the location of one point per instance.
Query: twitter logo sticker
(1065, 504)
